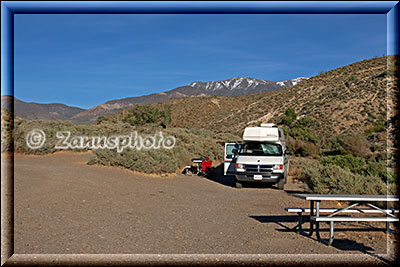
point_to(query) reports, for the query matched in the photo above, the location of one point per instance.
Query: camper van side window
(229, 149)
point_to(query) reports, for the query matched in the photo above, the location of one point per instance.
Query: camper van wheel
(238, 184)
(281, 184)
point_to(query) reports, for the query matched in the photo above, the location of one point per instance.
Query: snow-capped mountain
(242, 86)
(292, 82)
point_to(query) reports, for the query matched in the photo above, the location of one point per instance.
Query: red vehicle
(203, 167)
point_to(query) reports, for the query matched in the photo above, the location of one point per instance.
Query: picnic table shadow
(342, 244)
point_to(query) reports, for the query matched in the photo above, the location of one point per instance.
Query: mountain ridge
(235, 86)
(346, 99)
(38, 111)
(240, 86)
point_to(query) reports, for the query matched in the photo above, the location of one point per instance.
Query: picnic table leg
(311, 214)
(317, 215)
(388, 230)
(388, 213)
(330, 233)
(330, 241)
(300, 222)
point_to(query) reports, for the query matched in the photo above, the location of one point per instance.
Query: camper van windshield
(261, 149)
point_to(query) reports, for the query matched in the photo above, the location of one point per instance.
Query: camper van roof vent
(268, 125)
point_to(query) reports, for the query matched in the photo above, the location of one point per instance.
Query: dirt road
(64, 206)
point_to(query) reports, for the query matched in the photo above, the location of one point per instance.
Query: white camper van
(262, 156)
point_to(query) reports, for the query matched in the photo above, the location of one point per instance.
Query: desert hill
(352, 98)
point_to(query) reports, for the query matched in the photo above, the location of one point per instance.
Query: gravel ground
(63, 206)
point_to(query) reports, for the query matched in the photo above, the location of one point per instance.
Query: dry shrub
(356, 145)
(189, 144)
(301, 148)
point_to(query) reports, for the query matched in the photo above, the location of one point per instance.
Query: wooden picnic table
(354, 201)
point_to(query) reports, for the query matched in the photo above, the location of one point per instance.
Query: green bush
(375, 129)
(377, 169)
(101, 119)
(300, 129)
(149, 161)
(6, 131)
(303, 134)
(331, 179)
(360, 166)
(305, 121)
(352, 78)
(354, 164)
(289, 118)
(391, 177)
(147, 114)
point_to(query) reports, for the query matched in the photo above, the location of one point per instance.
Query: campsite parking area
(64, 206)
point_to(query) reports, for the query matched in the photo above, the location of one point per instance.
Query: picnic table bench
(355, 200)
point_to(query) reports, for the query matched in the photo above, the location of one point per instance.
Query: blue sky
(85, 60)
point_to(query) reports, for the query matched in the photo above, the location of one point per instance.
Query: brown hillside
(348, 99)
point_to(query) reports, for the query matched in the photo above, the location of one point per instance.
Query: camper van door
(230, 158)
